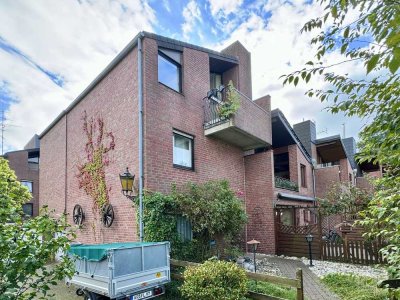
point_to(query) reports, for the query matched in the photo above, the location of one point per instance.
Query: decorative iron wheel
(78, 215)
(107, 216)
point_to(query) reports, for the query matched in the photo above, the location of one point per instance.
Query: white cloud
(166, 5)
(191, 14)
(224, 7)
(69, 38)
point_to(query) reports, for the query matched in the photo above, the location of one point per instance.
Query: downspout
(65, 165)
(140, 104)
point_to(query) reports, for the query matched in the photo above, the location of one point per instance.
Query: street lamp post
(309, 239)
(254, 244)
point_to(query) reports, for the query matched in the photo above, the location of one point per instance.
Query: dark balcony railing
(286, 184)
(212, 105)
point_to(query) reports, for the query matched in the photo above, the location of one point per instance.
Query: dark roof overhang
(331, 148)
(283, 134)
(294, 197)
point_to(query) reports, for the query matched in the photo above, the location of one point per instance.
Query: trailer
(129, 271)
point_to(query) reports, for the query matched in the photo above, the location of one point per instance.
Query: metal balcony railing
(329, 164)
(212, 104)
(286, 184)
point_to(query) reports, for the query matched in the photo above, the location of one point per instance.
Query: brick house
(168, 92)
(25, 164)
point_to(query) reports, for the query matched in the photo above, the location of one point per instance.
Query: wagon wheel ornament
(78, 215)
(107, 215)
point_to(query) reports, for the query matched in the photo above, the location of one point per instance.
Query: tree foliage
(371, 37)
(343, 198)
(212, 209)
(28, 245)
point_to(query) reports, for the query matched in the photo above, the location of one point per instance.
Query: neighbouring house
(25, 164)
(169, 92)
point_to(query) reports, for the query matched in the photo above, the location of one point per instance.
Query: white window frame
(191, 150)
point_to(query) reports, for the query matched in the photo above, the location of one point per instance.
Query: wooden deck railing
(289, 282)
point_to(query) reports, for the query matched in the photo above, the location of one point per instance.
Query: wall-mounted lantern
(127, 180)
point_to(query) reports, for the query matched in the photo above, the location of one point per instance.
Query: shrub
(214, 280)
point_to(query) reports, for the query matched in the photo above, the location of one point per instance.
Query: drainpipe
(140, 102)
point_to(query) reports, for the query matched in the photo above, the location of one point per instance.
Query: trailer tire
(80, 292)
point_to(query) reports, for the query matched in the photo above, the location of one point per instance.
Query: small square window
(183, 150)
(28, 184)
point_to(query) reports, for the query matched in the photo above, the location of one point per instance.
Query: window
(281, 165)
(215, 80)
(27, 208)
(350, 178)
(28, 184)
(169, 69)
(183, 150)
(303, 175)
(33, 157)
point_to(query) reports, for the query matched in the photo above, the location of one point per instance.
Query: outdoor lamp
(309, 239)
(127, 180)
(254, 244)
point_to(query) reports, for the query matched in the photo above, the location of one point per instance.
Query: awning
(294, 197)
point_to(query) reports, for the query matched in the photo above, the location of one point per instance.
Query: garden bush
(214, 280)
(213, 210)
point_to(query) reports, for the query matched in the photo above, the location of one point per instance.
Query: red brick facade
(25, 171)
(115, 100)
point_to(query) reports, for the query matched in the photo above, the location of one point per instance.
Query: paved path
(313, 287)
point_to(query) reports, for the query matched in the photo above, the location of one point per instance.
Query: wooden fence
(294, 283)
(352, 251)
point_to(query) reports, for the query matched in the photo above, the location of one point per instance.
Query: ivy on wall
(91, 176)
(213, 210)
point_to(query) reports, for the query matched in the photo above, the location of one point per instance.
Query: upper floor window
(215, 80)
(303, 175)
(28, 184)
(183, 150)
(281, 165)
(169, 69)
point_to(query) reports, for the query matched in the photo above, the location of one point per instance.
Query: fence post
(300, 291)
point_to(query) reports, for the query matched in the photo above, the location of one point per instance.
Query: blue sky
(51, 50)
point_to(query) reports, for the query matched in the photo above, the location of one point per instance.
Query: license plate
(142, 295)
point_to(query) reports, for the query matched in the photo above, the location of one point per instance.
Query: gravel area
(263, 266)
(322, 268)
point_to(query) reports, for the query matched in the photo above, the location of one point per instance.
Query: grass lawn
(352, 287)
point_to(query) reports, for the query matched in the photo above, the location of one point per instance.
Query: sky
(51, 50)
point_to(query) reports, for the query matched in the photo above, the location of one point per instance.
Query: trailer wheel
(80, 292)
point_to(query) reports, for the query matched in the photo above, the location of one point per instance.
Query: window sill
(164, 85)
(183, 167)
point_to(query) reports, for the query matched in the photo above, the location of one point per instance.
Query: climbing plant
(91, 176)
(212, 208)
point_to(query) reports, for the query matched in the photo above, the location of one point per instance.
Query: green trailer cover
(99, 252)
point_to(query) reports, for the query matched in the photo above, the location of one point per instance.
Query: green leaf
(346, 32)
(371, 64)
(296, 81)
(394, 65)
(334, 12)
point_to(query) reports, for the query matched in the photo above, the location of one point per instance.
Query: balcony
(248, 128)
(327, 165)
(286, 184)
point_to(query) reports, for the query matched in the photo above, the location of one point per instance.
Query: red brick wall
(243, 74)
(166, 110)
(324, 178)
(18, 161)
(259, 200)
(52, 168)
(115, 100)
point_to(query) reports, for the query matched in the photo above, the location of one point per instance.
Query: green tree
(371, 37)
(27, 245)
